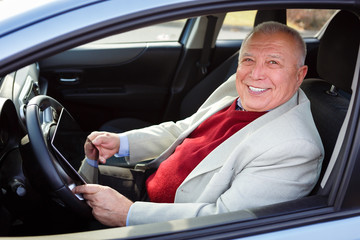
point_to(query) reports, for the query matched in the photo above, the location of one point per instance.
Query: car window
(168, 31)
(307, 21)
(236, 25)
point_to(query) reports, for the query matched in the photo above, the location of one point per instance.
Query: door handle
(69, 80)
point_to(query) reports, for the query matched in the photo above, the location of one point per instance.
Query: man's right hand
(107, 143)
(91, 151)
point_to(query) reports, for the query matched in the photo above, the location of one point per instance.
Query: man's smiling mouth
(257, 90)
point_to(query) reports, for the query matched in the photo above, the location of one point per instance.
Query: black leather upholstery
(338, 50)
(337, 55)
(278, 15)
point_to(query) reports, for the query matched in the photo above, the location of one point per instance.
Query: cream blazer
(273, 159)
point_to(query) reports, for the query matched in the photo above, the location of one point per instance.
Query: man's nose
(258, 72)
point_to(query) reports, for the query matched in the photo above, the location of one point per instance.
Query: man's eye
(247, 60)
(273, 62)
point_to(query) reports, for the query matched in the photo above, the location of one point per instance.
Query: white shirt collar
(239, 106)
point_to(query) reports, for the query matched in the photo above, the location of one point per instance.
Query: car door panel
(113, 81)
(96, 55)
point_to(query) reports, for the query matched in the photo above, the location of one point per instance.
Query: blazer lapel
(219, 155)
(225, 102)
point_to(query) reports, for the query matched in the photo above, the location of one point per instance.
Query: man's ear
(302, 71)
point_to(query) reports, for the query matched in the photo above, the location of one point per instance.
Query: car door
(125, 75)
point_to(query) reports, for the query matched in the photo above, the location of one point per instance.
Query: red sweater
(161, 186)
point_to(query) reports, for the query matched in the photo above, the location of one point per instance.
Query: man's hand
(107, 143)
(91, 151)
(108, 206)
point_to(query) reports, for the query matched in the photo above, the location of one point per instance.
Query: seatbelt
(204, 60)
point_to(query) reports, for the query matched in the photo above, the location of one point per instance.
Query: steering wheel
(42, 114)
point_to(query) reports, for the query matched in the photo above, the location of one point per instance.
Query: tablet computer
(68, 142)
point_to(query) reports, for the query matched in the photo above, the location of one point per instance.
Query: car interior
(329, 93)
(172, 87)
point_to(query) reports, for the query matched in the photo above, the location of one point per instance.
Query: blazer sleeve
(285, 172)
(149, 143)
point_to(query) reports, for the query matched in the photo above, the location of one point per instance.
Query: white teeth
(257, 89)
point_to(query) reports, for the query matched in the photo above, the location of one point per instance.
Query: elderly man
(252, 143)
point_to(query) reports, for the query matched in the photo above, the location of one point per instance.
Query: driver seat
(330, 93)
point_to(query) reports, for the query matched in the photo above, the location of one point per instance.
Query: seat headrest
(338, 50)
(278, 15)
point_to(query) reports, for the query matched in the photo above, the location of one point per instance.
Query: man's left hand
(108, 206)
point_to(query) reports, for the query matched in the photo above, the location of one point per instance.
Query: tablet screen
(68, 141)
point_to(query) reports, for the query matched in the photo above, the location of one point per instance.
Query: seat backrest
(330, 93)
(277, 15)
(198, 94)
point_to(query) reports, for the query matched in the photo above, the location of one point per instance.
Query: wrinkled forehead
(277, 44)
(277, 39)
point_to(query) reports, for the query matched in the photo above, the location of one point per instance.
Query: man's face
(268, 74)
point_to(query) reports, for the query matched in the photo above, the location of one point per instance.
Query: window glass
(307, 21)
(236, 25)
(169, 32)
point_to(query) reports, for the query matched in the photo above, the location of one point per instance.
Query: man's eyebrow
(278, 56)
(246, 54)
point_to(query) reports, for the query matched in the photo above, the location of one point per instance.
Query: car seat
(330, 93)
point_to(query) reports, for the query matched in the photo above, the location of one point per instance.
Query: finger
(102, 160)
(99, 139)
(87, 189)
(89, 203)
(105, 139)
(94, 134)
(103, 155)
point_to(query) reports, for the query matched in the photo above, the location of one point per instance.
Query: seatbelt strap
(204, 61)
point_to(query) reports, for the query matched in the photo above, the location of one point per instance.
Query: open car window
(164, 32)
(307, 21)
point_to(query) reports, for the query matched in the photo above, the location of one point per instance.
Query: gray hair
(275, 27)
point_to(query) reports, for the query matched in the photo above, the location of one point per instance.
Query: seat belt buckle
(141, 167)
(203, 67)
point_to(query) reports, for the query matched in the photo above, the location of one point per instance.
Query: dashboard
(16, 90)
(20, 86)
